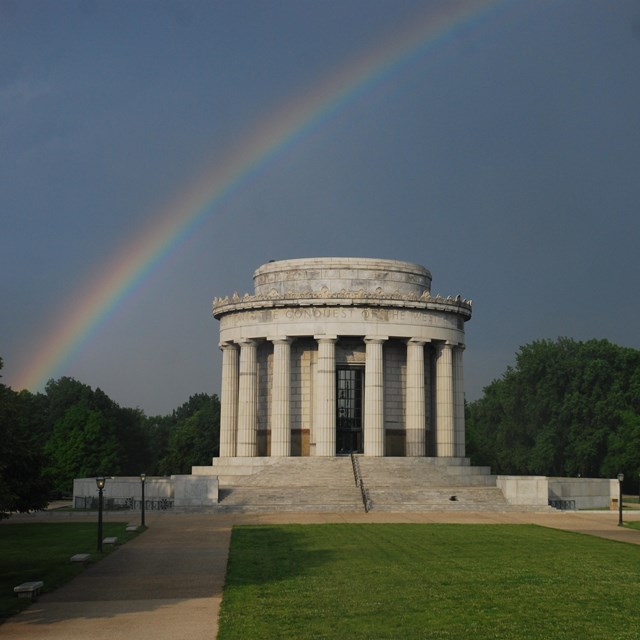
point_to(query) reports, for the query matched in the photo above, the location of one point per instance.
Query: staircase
(292, 484)
(310, 484)
(430, 484)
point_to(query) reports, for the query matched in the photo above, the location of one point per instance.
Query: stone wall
(585, 493)
(562, 493)
(179, 491)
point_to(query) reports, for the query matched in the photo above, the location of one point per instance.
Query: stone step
(327, 484)
(445, 497)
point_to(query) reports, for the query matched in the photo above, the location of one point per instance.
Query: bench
(80, 557)
(29, 590)
(110, 540)
(132, 527)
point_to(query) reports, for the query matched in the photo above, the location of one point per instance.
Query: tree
(566, 408)
(194, 439)
(90, 434)
(83, 445)
(22, 487)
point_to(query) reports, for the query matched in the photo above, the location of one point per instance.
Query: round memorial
(331, 356)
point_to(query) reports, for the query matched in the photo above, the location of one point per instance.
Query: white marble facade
(333, 355)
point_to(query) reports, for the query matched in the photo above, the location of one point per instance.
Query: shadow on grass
(261, 554)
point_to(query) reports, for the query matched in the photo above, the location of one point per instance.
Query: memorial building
(336, 356)
(331, 356)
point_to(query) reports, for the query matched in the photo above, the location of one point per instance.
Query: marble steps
(262, 499)
(438, 499)
(421, 472)
(294, 484)
(392, 484)
(283, 472)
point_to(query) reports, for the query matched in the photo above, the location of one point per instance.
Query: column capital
(280, 339)
(418, 341)
(247, 342)
(326, 338)
(227, 345)
(375, 339)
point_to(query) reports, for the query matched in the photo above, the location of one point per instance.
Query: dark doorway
(349, 386)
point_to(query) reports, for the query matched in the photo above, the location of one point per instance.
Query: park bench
(80, 557)
(110, 540)
(29, 590)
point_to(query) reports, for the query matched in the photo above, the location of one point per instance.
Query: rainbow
(129, 268)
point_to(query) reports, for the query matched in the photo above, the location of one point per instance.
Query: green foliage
(195, 436)
(395, 581)
(566, 408)
(72, 431)
(83, 445)
(22, 487)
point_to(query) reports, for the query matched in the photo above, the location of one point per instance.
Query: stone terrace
(261, 485)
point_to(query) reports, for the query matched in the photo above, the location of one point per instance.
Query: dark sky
(503, 156)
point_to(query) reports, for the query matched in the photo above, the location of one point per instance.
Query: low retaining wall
(524, 490)
(561, 493)
(586, 493)
(160, 493)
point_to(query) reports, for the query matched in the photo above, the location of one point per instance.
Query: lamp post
(620, 479)
(143, 477)
(100, 482)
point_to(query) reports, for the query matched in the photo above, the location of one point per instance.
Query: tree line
(73, 431)
(566, 408)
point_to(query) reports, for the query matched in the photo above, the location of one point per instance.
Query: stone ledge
(29, 590)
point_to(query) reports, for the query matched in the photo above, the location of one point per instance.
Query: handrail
(563, 505)
(359, 483)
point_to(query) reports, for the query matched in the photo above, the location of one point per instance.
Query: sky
(153, 154)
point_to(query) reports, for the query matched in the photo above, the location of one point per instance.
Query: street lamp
(620, 479)
(100, 482)
(143, 477)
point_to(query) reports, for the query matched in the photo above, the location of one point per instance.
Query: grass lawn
(402, 581)
(41, 551)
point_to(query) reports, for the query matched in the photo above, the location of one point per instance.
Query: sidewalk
(167, 583)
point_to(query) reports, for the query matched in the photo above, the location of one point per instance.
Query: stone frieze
(236, 302)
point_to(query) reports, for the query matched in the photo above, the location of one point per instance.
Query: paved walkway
(167, 583)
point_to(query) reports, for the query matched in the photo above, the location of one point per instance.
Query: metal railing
(359, 483)
(563, 505)
(115, 504)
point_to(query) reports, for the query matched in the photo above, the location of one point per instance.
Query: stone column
(458, 401)
(325, 421)
(281, 398)
(444, 402)
(415, 422)
(229, 400)
(248, 399)
(373, 398)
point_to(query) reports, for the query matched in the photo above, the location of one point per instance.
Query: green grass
(41, 551)
(401, 581)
